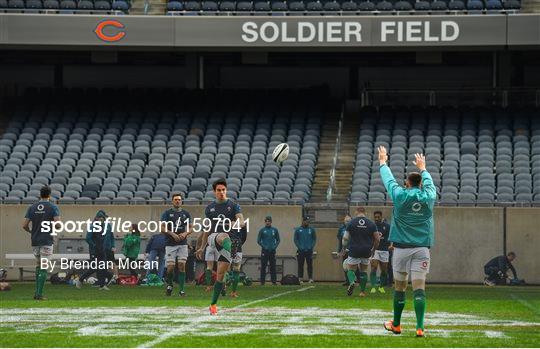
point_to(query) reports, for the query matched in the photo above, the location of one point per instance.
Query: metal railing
(332, 182)
(471, 97)
(146, 6)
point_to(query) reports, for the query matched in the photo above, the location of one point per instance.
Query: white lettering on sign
(418, 31)
(332, 32)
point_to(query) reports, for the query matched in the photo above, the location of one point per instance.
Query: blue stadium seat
(475, 5)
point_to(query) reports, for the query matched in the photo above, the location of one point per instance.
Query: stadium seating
(66, 6)
(475, 156)
(337, 7)
(270, 7)
(110, 153)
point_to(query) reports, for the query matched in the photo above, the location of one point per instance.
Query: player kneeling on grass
(411, 233)
(42, 240)
(362, 238)
(225, 216)
(175, 226)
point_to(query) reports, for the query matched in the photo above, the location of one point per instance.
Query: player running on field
(42, 240)
(411, 233)
(362, 238)
(225, 216)
(381, 256)
(175, 225)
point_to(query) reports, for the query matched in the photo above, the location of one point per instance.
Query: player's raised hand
(383, 155)
(420, 161)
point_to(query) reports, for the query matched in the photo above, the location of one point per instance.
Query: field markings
(525, 303)
(158, 324)
(268, 298)
(195, 323)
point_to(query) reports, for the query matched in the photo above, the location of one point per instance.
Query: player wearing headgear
(225, 216)
(42, 241)
(175, 225)
(362, 238)
(412, 234)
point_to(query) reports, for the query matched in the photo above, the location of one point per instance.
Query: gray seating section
(476, 156)
(110, 155)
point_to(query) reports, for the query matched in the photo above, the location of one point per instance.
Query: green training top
(412, 218)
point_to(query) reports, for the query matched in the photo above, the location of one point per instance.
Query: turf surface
(271, 316)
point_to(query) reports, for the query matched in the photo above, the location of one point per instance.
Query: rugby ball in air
(281, 152)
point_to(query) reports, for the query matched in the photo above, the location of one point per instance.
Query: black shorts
(110, 257)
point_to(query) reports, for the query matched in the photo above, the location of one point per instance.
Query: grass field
(271, 316)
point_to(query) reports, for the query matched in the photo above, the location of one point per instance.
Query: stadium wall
(465, 238)
(15, 240)
(522, 237)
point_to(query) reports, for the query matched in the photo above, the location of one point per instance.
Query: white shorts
(223, 255)
(44, 251)
(411, 260)
(180, 251)
(237, 259)
(382, 256)
(211, 254)
(355, 261)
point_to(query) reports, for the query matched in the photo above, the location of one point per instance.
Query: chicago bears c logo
(100, 30)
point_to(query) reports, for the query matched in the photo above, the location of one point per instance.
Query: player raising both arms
(225, 216)
(175, 225)
(362, 238)
(411, 233)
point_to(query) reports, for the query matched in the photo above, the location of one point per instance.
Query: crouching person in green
(131, 247)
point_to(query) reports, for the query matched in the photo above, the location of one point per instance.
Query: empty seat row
(137, 157)
(320, 7)
(68, 5)
(472, 154)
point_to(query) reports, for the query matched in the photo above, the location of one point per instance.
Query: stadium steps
(137, 7)
(156, 7)
(530, 6)
(325, 159)
(347, 154)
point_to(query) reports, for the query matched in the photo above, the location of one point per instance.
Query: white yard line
(525, 303)
(268, 298)
(179, 330)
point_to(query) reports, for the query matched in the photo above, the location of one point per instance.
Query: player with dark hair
(305, 238)
(381, 255)
(42, 240)
(226, 217)
(341, 232)
(412, 234)
(176, 227)
(362, 239)
(269, 240)
(497, 268)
